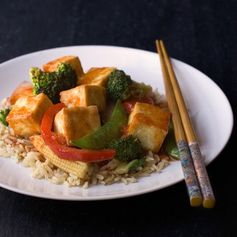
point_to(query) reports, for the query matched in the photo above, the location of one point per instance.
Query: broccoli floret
(127, 148)
(140, 90)
(3, 116)
(52, 83)
(118, 85)
(121, 86)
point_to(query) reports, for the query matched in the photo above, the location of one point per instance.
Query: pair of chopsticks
(195, 174)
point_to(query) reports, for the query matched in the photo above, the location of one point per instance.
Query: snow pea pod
(111, 130)
(170, 144)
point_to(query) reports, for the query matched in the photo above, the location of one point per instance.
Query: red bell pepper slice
(64, 151)
(129, 104)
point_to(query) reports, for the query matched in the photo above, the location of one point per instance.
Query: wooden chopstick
(202, 175)
(190, 178)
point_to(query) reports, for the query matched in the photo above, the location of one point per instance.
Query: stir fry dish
(86, 128)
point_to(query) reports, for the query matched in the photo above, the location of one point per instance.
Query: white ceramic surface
(209, 109)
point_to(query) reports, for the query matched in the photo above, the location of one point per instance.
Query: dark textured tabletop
(201, 33)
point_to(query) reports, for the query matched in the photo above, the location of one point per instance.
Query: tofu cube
(74, 61)
(96, 76)
(84, 95)
(24, 89)
(27, 113)
(76, 122)
(149, 124)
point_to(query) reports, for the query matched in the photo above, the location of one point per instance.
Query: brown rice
(23, 151)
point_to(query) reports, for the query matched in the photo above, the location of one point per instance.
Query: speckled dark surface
(201, 33)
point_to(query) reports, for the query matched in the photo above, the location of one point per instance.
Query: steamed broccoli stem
(121, 86)
(127, 148)
(52, 83)
(3, 116)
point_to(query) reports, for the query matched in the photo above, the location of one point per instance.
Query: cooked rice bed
(23, 151)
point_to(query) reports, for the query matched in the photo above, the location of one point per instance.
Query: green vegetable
(127, 148)
(3, 116)
(170, 146)
(140, 90)
(118, 85)
(132, 166)
(111, 130)
(121, 86)
(52, 83)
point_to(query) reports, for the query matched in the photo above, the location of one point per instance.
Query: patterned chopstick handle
(199, 164)
(189, 174)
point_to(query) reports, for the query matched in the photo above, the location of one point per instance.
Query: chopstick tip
(196, 201)
(209, 203)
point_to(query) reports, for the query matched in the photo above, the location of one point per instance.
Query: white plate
(209, 108)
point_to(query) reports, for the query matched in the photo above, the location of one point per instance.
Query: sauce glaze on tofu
(84, 95)
(96, 76)
(76, 122)
(24, 89)
(26, 115)
(149, 124)
(72, 60)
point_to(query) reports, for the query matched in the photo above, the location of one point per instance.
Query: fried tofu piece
(96, 76)
(76, 122)
(84, 95)
(26, 115)
(74, 61)
(24, 89)
(149, 124)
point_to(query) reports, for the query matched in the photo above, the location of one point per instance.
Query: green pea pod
(170, 146)
(111, 130)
